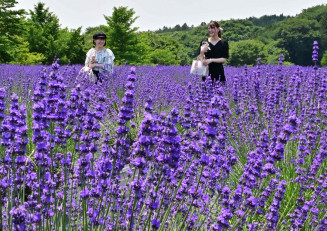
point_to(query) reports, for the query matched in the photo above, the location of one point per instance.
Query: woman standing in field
(100, 59)
(214, 51)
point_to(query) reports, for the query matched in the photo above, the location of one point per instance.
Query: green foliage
(324, 59)
(61, 44)
(190, 40)
(76, 53)
(22, 55)
(5, 45)
(11, 24)
(70, 46)
(42, 32)
(239, 29)
(297, 36)
(163, 56)
(45, 37)
(161, 49)
(314, 13)
(10, 19)
(122, 36)
(274, 52)
(247, 52)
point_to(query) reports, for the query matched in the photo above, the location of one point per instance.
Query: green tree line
(37, 37)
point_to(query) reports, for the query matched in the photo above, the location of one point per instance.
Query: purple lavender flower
(155, 224)
(315, 52)
(2, 104)
(273, 215)
(19, 215)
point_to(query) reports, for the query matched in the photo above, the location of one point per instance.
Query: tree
(161, 49)
(184, 27)
(122, 38)
(274, 52)
(76, 53)
(297, 36)
(22, 55)
(246, 52)
(163, 57)
(11, 24)
(177, 28)
(42, 32)
(267, 20)
(47, 20)
(239, 29)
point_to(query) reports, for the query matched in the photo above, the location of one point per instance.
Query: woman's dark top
(219, 50)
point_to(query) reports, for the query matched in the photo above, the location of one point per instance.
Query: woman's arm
(201, 56)
(95, 65)
(214, 60)
(203, 49)
(90, 59)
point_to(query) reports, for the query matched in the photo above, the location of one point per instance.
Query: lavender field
(154, 148)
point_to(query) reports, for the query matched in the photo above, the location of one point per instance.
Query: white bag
(87, 73)
(199, 69)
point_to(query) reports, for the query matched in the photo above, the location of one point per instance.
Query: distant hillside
(267, 20)
(263, 21)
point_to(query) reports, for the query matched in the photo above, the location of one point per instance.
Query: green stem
(9, 204)
(134, 204)
(39, 190)
(161, 202)
(84, 215)
(189, 208)
(179, 184)
(240, 220)
(189, 221)
(1, 213)
(148, 221)
(204, 219)
(65, 198)
(107, 210)
(72, 167)
(139, 218)
(130, 192)
(118, 215)
(182, 202)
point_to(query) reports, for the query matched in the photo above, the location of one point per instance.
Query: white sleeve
(109, 61)
(88, 57)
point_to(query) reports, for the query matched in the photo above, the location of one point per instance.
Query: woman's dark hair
(213, 24)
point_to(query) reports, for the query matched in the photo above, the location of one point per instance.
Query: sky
(154, 14)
